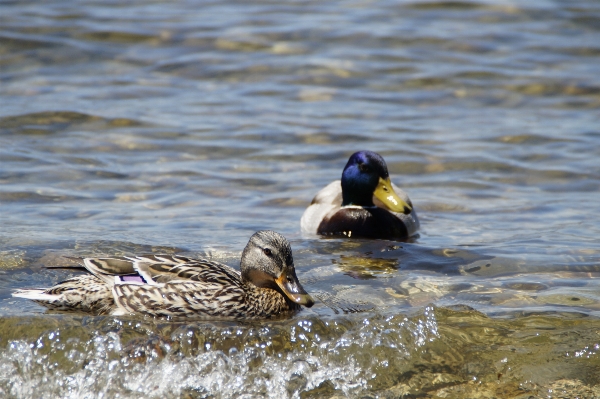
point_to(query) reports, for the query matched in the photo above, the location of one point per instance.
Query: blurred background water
(150, 126)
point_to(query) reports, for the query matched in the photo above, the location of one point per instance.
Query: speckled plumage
(181, 287)
(364, 203)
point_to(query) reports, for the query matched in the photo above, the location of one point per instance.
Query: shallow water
(133, 127)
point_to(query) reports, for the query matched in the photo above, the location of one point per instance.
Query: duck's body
(364, 203)
(327, 216)
(178, 286)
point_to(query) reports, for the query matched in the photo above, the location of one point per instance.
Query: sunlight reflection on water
(150, 127)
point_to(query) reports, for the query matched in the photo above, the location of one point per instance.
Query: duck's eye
(268, 252)
(363, 167)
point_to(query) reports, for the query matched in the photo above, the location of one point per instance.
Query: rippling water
(130, 127)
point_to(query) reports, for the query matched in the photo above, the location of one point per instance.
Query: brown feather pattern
(176, 286)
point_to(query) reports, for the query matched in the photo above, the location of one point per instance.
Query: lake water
(149, 126)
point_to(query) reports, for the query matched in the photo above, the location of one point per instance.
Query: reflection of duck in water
(177, 286)
(363, 204)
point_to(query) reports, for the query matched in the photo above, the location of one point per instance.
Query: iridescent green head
(366, 175)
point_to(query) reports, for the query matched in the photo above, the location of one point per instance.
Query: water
(131, 127)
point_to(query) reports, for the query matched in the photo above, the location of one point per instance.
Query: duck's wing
(326, 202)
(196, 288)
(161, 270)
(106, 268)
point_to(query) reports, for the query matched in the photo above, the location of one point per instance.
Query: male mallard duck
(364, 204)
(177, 286)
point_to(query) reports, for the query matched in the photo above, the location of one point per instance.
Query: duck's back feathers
(162, 269)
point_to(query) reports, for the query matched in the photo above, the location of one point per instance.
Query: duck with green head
(181, 287)
(365, 203)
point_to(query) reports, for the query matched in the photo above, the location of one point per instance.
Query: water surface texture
(184, 127)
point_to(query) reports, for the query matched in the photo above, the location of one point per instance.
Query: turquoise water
(131, 127)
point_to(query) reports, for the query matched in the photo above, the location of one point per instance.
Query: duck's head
(267, 262)
(366, 175)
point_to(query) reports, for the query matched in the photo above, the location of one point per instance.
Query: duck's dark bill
(386, 194)
(293, 290)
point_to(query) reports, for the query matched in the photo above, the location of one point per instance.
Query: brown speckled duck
(364, 203)
(180, 287)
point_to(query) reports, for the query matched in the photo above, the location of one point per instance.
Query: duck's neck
(352, 194)
(269, 301)
(357, 187)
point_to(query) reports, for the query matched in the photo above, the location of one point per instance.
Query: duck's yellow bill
(291, 287)
(386, 194)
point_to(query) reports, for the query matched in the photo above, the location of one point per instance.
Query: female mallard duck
(177, 286)
(364, 204)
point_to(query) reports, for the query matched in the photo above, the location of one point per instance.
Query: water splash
(109, 357)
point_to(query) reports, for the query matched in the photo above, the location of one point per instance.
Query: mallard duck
(363, 204)
(178, 286)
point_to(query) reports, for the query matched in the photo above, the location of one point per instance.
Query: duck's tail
(41, 297)
(85, 293)
(36, 294)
